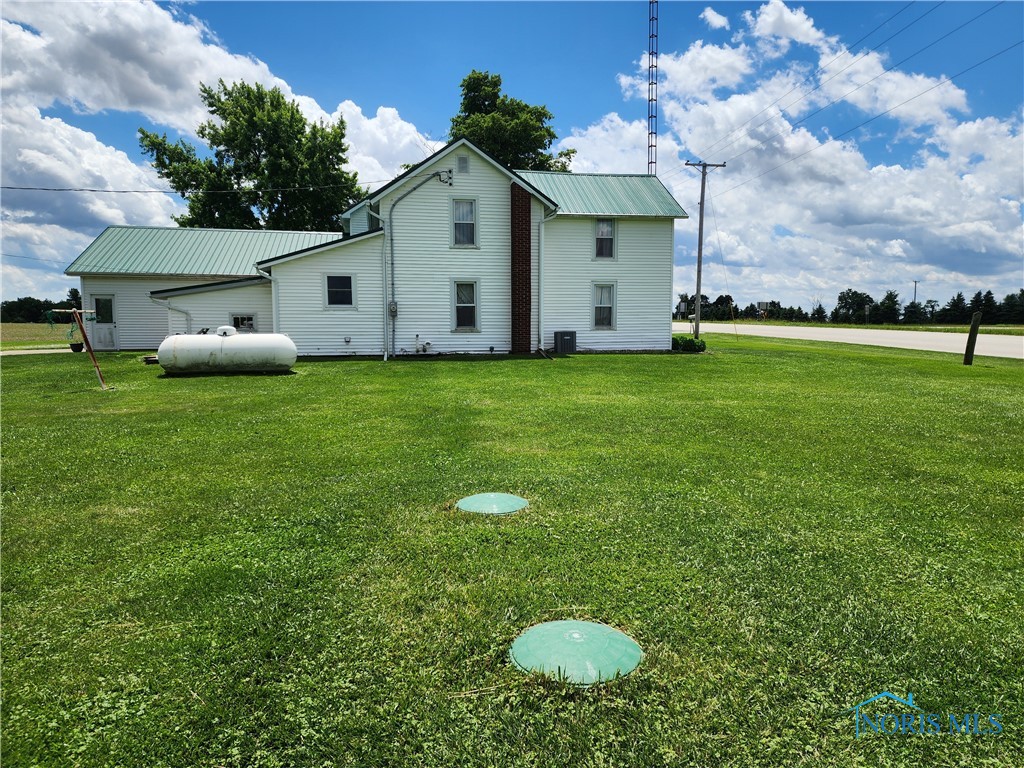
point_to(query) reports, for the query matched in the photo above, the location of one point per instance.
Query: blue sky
(810, 204)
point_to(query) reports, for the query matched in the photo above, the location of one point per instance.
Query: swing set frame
(76, 314)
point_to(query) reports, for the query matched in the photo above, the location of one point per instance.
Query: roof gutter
(273, 296)
(540, 279)
(383, 279)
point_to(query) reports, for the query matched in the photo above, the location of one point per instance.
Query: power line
(835, 101)
(862, 85)
(838, 73)
(821, 70)
(172, 192)
(33, 258)
(875, 117)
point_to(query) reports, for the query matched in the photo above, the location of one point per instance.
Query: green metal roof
(606, 194)
(193, 252)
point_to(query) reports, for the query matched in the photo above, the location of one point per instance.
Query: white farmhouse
(459, 254)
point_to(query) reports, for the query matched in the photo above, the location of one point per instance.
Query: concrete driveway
(988, 344)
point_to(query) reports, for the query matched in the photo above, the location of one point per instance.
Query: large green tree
(955, 311)
(513, 132)
(887, 311)
(267, 167)
(850, 306)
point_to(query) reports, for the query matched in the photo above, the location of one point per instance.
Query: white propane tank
(227, 351)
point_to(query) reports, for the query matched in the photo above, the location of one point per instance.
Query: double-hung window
(467, 306)
(340, 291)
(605, 239)
(604, 306)
(464, 223)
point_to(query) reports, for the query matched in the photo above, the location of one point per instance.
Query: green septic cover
(492, 503)
(579, 652)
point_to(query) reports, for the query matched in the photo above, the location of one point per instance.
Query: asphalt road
(988, 344)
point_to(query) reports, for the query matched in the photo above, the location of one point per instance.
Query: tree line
(857, 308)
(265, 166)
(29, 309)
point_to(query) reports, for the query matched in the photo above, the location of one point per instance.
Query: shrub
(688, 345)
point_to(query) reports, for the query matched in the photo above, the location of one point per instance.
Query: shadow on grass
(208, 374)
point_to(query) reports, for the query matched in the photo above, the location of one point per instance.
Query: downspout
(390, 305)
(383, 279)
(540, 280)
(273, 297)
(167, 305)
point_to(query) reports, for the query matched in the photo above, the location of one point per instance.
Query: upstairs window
(605, 247)
(464, 223)
(339, 291)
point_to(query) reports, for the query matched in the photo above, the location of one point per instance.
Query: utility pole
(700, 237)
(915, 290)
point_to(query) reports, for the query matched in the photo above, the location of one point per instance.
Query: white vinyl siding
(426, 264)
(212, 309)
(359, 221)
(141, 323)
(641, 274)
(319, 329)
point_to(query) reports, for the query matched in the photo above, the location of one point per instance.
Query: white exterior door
(103, 331)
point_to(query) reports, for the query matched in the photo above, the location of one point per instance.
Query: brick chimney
(521, 274)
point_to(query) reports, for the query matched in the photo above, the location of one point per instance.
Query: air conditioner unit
(565, 342)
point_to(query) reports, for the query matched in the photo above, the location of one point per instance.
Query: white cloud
(913, 99)
(800, 215)
(380, 145)
(776, 26)
(713, 19)
(140, 58)
(131, 57)
(695, 73)
(20, 278)
(614, 145)
(56, 226)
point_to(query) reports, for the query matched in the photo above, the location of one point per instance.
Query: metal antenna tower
(652, 92)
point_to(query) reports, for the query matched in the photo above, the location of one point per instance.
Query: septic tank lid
(492, 503)
(579, 652)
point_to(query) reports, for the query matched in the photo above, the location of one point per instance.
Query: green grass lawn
(269, 570)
